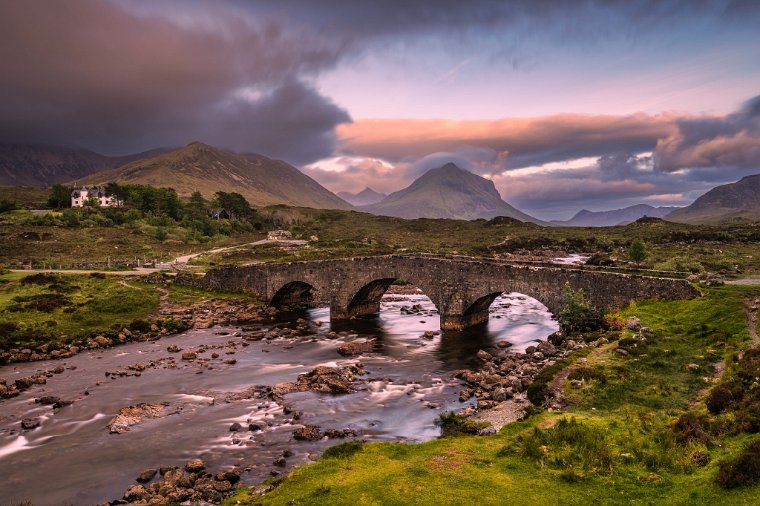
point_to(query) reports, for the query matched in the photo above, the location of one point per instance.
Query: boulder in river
(323, 379)
(356, 347)
(147, 475)
(308, 433)
(132, 415)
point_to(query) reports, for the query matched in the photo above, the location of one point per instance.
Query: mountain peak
(365, 197)
(448, 192)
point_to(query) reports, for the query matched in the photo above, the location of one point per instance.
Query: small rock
(173, 348)
(195, 466)
(147, 475)
(30, 423)
(236, 427)
(136, 493)
(189, 355)
(46, 400)
(633, 323)
(308, 433)
(280, 462)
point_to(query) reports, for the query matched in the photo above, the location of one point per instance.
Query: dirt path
(751, 307)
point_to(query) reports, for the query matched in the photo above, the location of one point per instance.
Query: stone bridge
(462, 288)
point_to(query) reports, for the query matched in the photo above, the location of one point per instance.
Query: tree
(637, 252)
(579, 315)
(60, 196)
(235, 204)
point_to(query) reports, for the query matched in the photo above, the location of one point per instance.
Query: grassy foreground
(617, 442)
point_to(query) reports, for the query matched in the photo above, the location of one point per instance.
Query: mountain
(725, 202)
(365, 197)
(40, 165)
(200, 167)
(448, 192)
(585, 218)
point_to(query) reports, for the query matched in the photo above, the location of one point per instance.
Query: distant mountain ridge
(41, 165)
(448, 192)
(729, 201)
(200, 167)
(611, 218)
(365, 197)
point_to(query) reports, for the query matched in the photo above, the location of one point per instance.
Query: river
(71, 458)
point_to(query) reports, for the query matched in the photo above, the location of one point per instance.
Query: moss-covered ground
(616, 442)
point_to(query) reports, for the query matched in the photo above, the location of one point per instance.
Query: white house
(80, 197)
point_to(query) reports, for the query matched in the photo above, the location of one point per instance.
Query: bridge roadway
(462, 288)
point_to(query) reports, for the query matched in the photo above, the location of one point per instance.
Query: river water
(73, 459)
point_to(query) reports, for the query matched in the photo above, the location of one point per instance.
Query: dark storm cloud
(730, 141)
(92, 73)
(585, 21)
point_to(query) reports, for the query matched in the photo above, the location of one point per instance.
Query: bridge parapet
(462, 288)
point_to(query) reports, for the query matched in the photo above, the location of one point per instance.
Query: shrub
(741, 471)
(43, 302)
(568, 445)
(140, 326)
(690, 427)
(39, 279)
(724, 397)
(637, 252)
(343, 450)
(588, 374)
(579, 315)
(452, 424)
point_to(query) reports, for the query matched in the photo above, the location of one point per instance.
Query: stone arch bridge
(462, 288)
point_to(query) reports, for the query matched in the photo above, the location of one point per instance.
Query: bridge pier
(463, 321)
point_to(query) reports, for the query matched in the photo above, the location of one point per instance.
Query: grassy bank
(57, 309)
(615, 444)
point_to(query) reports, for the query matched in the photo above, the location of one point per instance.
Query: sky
(565, 105)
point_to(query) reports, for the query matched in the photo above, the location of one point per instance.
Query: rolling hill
(726, 202)
(448, 192)
(200, 167)
(585, 218)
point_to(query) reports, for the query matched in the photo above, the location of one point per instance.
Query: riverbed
(72, 458)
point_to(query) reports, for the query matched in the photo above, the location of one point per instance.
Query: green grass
(91, 305)
(188, 295)
(614, 445)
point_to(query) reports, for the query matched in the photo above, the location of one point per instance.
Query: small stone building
(80, 197)
(279, 235)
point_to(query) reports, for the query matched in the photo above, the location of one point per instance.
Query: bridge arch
(361, 296)
(293, 293)
(366, 300)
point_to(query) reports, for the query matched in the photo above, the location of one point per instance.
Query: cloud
(733, 140)
(522, 142)
(93, 73)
